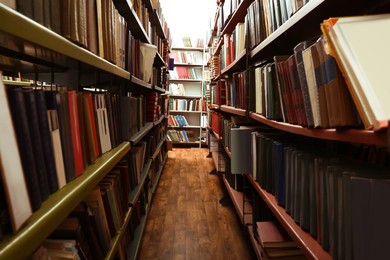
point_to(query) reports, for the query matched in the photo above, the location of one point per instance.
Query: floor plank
(186, 220)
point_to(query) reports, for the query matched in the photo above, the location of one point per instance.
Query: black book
(110, 117)
(19, 117)
(47, 144)
(58, 100)
(35, 132)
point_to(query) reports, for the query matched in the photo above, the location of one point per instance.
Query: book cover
(12, 177)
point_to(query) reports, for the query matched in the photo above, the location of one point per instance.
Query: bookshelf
(31, 50)
(279, 39)
(188, 78)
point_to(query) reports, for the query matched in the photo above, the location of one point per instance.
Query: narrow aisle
(186, 220)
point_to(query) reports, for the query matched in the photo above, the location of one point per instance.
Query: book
(11, 169)
(76, 133)
(22, 130)
(47, 142)
(350, 38)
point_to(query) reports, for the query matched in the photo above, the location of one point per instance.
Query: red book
(93, 123)
(75, 129)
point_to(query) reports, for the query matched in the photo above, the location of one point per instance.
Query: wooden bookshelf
(240, 203)
(140, 82)
(126, 10)
(344, 135)
(185, 97)
(134, 193)
(159, 120)
(35, 33)
(237, 17)
(115, 242)
(187, 49)
(309, 245)
(233, 110)
(236, 65)
(188, 65)
(185, 111)
(158, 174)
(186, 80)
(159, 89)
(58, 206)
(141, 133)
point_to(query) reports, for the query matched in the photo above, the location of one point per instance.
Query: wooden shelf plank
(309, 245)
(158, 174)
(233, 110)
(238, 201)
(140, 82)
(134, 193)
(237, 17)
(236, 65)
(141, 133)
(345, 135)
(58, 206)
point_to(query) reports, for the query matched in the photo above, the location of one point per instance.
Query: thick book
(90, 129)
(47, 144)
(350, 38)
(36, 139)
(11, 168)
(20, 120)
(75, 130)
(58, 100)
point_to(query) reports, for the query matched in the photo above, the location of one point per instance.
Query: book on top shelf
(360, 46)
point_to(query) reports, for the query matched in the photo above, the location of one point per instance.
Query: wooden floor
(186, 220)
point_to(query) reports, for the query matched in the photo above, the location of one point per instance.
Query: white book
(11, 166)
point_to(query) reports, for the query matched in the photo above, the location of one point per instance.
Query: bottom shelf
(240, 203)
(138, 234)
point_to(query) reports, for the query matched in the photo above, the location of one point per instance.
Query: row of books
(96, 25)
(93, 224)
(305, 88)
(325, 191)
(187, 57)
(189, 42)
(54, 135)
(233, 45)
(235, 90)
(264, 17)
(225, 13)
(185, 73)
(177, 89)
(181, 135)
(187, 105)
(177, 120)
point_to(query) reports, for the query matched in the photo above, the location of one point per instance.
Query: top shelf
(237, 17)
(35, 33)
(344, 135)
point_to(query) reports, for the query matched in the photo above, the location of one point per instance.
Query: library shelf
(290, 33)
(141, 133)
(240, 203)
(233, 110)
(126, 10)
(218, 48)
(138, 234)
(186, 126)
(58, 206)
(308, 244)
(228, 152)
(17, 83)
(214, 28)
(158, 174)
(159, 89)
(185, 111)
(214, 106)
(159, 120)
(134, 193)
(237, 17)
(155, 19)
(185, 80)
(344, 135)
(158, 149)
(184, 97)
(256, 245)
(31, 31)
(140, 82)
(158, 59)
(187, 49)
(236, 65)
(115, 242)
(188, 65)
